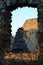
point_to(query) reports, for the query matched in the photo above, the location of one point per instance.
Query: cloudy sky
(20, 15)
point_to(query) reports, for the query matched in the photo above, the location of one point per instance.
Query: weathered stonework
(5, 19)
(5, 29)
(40, 20)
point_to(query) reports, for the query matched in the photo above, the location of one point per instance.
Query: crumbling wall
(5, 19)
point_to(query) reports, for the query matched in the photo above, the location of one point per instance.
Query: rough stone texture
(5, 30)
(10, 2)
(32, 41)
(30, 24)
(5, 27)
(40, 19)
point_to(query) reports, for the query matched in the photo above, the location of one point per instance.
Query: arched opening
(27, 18)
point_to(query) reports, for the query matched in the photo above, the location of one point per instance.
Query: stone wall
(5, 19)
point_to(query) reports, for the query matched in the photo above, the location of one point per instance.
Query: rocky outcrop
(32, 41)
(30, 24)
(19, 44)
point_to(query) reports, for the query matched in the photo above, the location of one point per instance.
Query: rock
(19, 44)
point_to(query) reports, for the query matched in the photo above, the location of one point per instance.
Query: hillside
(30, 24)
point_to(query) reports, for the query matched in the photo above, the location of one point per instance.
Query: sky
(20, 15)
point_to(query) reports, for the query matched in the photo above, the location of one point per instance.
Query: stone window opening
(27, 33)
